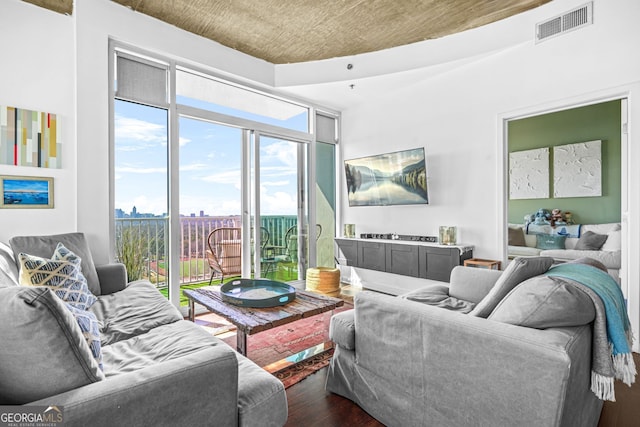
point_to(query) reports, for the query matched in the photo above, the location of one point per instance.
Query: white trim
(173, 196)
(245, 193)
(626, 195)
(257, 216)
(111, 76)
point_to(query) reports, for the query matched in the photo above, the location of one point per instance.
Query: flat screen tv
(398, 178)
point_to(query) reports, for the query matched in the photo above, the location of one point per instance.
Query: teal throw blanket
(617, 360)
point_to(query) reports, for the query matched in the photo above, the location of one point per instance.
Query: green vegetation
(130, 250)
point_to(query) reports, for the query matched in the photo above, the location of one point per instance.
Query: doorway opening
(544, 157)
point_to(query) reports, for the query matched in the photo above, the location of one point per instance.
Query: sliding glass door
(210, 198)
(283, 207)
(193, 153)
(140, 191)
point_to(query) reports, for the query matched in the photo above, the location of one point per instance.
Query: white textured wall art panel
(577, 170)
(529, 174)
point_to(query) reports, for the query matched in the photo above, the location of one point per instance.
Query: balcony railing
(141, 244)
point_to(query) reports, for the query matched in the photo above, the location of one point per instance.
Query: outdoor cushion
(545, 302)
(44, 246)
(133, 311)
(43, 350)
(518, 270)
(590, 241)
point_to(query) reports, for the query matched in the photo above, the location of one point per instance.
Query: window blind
(326, 129)
(141, 81)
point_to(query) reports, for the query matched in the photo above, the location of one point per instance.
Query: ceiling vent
(572, 20)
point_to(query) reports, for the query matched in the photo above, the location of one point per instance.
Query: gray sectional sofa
(157, 368)
(461, 355)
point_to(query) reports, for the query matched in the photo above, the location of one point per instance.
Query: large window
(283, 210)
(216, 155)
(205, 92)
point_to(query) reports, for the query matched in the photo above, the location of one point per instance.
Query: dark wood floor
(311, 405)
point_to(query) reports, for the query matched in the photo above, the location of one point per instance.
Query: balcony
(141, 244)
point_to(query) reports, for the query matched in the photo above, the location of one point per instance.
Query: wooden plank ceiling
(288, 31)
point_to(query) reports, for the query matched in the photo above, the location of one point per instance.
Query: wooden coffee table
(250, 321)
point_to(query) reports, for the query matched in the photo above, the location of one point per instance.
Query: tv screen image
(398, 178)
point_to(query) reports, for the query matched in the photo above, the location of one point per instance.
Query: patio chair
(225, 252)
(268, 261)
(289, 258)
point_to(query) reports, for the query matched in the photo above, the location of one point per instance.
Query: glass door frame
(304, 213)
(251, 131)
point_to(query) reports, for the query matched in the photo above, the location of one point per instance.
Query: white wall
(456, 118)
(37, 73)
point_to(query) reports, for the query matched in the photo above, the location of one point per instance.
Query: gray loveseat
(157, 368)
(440, 356)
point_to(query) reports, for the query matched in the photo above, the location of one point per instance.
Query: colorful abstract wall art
(29, 138)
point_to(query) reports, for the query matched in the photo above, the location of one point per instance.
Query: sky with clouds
(210, 162)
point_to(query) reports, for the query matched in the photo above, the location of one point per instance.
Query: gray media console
(424, 260)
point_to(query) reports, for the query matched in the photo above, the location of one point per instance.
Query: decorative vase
(448, 235)
(350, 230)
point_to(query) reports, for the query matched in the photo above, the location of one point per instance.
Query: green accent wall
(593, 122)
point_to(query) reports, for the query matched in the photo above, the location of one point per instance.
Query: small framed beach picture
(26, 192)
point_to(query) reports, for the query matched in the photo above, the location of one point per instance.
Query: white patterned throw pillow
(90, 328)
(64, 277)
